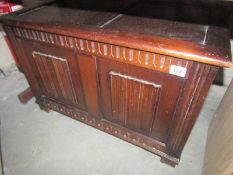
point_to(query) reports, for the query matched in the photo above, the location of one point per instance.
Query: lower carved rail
(130, 136)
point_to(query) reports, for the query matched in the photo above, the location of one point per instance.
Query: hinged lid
(206, 44)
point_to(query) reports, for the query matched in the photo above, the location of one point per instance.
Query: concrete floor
(40, 143)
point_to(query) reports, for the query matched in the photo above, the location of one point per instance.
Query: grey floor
(40, 143)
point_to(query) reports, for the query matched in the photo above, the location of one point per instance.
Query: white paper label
(16, 7)
(177, 70)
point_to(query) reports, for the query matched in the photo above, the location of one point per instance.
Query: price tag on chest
(177, 70)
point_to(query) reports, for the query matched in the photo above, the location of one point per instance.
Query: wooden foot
(44, 108)
(168, 162)
(25, 96)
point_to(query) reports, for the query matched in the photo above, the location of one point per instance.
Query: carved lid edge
(171, 47)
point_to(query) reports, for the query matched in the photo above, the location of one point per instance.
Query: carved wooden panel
(134, 101)
(138, 98)
(57, 73)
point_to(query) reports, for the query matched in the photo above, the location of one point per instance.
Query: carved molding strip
(34, 53)
(105, 126)
(127, 55)
(135, 79)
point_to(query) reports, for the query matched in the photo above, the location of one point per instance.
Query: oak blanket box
(140, 79)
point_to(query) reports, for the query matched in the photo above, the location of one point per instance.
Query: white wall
(6, 58)
(228, 72)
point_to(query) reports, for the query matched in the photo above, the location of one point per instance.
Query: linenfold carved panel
(128, 55)
(55, 82)
(133, 99)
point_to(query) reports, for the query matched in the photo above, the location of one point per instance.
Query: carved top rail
(170, 47)
(200, 43)
(132, 56)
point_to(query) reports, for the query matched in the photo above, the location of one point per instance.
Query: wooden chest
(142, 80)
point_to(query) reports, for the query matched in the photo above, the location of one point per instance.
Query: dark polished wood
(207, 12)
(140, 79)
